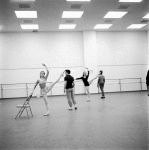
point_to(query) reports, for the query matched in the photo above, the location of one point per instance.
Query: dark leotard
(84, 79)
(147, 78)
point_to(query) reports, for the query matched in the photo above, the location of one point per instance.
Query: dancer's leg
(88, 92)
(90, 82)
(41, 92)
(68, 94)
(102, 90)
(73, 98)
(46, 103)
(52, 84)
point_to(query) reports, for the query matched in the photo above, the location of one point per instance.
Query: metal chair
(26, 105)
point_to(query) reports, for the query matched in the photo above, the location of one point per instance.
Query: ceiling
(50, 15)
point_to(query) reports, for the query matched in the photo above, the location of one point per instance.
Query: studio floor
(119, 122)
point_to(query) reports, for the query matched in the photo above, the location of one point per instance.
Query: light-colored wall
(122, 54)
(24, 53)
(119, 55)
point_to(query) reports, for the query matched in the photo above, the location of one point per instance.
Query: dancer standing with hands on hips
(45, 89)
(87, 83)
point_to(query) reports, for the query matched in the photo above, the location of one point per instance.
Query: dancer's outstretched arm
(35, 86)
(79, 78)
(47, 71)
(65, 84)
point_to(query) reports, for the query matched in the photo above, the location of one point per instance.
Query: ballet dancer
(86, 82)
(147, 82)
(69, 89)
(45, 89)
(101, 82)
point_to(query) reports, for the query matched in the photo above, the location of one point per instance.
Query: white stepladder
(26, 106)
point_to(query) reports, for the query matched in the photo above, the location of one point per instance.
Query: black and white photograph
(74, 74)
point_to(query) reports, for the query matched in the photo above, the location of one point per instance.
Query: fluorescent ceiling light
(102, 26)
(72, 14)
(26, 14)
(22, 0)
(136, 26)
(130, 1)
(115, 14)
(78, 0)
(29, 26)
(147, 16)
(67, 26)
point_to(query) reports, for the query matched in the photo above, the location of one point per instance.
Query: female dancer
(45, 89)
(86, 82)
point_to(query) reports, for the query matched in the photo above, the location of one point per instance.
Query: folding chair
(26, 105)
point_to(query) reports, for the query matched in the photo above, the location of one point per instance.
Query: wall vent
(144, 21)
(108, 20)
(35, 31)
(123, 6)
(76, 6)
(28, 21)
(69, 21)
(24, 6)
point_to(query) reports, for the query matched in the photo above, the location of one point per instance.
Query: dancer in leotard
(45, 89)
(86, 82)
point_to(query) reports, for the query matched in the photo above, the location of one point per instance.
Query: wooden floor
(119, 122)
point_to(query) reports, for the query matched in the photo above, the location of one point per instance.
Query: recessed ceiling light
(130, 1)
(102, 26)
(78, 0)
(29, 26)
(146, 16)
(136, 26)
(72, 14)
(26, 14)
(67, 26)
(115, 14)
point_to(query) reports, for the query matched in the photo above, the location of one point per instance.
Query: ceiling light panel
(115, 14)
(102, 26)
(146, 16)
(136, 26)
(26, 14)
(72, 14)
(67, 26)
(131, 1)
(29, 26)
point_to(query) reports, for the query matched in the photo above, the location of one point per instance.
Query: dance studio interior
(82, 36)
